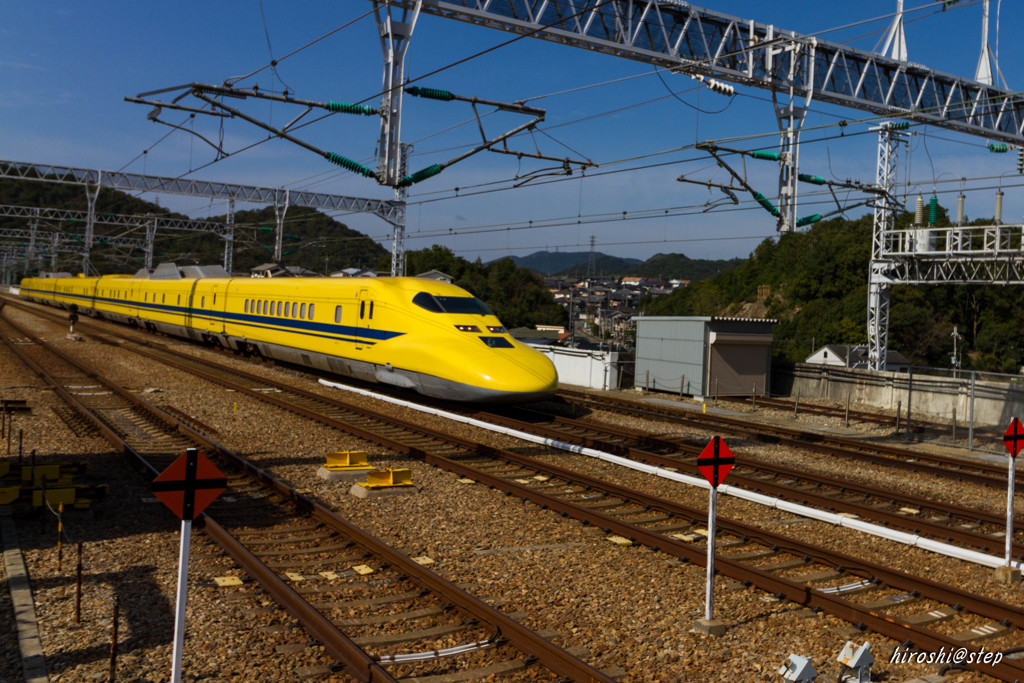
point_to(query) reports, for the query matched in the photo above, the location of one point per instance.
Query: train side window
(179, 299)
(202, 302)
(289, 309)
(278, 308)
(245, 306)
(371, 310)
(302, 310)
(163, 298)
(311, 311)
(362, 310)
(337, 314)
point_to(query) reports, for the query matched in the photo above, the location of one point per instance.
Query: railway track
(900, 458)
(911, 610)
(899, 510)
(281, 538)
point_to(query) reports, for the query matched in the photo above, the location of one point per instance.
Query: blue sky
(65, 68)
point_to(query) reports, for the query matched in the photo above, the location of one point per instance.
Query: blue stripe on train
(246, 320)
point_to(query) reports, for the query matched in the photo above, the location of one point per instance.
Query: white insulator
(919, 211)
(999, 207)
(960, 209)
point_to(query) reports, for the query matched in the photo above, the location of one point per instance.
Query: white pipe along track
(792, 508)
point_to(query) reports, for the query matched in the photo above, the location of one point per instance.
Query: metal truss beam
(26, 236)
(988, 255)
(133, 182)
(124, 220)
(674, 34)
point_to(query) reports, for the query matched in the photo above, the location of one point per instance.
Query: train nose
(526, 373)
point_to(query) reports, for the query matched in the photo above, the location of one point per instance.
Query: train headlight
(467, 328)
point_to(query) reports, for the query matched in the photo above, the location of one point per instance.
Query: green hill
(312, 240)
(682, 267)
(815, 284)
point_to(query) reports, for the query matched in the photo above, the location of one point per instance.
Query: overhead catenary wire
(604, 163)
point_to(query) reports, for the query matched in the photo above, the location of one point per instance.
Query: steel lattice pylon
(879, 279)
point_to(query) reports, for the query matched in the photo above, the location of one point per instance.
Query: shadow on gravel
(146, 619)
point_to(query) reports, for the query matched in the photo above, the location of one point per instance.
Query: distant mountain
(660, 266)
(551, 262)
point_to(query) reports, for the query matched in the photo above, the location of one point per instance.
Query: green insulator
(347, 163)
(998, 147)
(431, 93)
(933, 210)
(813, 179)
(421, 175)
(899, 125)
(346, 108)
(767, 204)
(807, 220)
(767, 156)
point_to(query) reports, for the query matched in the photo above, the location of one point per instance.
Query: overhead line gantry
(279, 198)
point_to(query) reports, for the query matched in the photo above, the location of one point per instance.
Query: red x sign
(715, 461)
(1013, 439)
(190, 484)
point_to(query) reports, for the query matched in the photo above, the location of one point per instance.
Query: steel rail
(890, 456)
(530, 643)
(876, 620)
(785, 492)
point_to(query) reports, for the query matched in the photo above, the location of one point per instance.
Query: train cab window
(424, 300)
(302, 310)
(497, 342)
(362, 310)
(337, 314)
(311, 311)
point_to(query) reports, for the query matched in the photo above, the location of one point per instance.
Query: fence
(968, 408)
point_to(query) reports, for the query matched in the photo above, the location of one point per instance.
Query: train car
(416, 333)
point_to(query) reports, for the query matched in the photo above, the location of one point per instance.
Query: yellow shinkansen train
(416, 333)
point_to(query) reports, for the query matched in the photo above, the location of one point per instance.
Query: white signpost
(190, 484)
(1013, 439)
(715, 462)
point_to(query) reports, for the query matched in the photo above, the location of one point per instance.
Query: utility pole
(396, 27)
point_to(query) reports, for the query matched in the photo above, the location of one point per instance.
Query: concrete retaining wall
(995, 402)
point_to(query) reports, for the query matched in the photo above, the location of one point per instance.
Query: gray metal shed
(704, 355)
